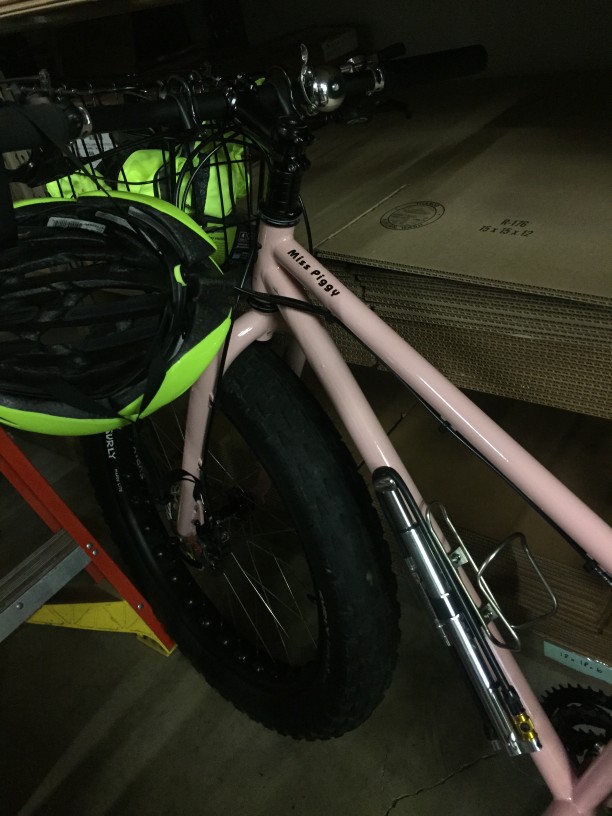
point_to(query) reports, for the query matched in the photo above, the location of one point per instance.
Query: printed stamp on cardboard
(413, 215)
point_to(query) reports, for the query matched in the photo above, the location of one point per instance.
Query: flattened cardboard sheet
(525, 202)
(354, 167)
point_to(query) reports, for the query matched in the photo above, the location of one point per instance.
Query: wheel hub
(214, 543)
(210, 547)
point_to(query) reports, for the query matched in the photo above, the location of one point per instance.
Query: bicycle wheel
(286, 600)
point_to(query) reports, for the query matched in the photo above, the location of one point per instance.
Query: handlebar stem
(281, 205)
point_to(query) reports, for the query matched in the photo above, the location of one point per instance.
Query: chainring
(583, 719)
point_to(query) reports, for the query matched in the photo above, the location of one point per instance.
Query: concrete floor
(96, 723)
(99, 724)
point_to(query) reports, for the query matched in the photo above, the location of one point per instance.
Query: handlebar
(438, 66)
(29, 126)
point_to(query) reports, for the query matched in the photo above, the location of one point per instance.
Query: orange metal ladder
(24, 591)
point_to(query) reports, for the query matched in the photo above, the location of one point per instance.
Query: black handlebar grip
(440, 65)
(41, 124)
(163, 113)
(359, 83)
(392, 52)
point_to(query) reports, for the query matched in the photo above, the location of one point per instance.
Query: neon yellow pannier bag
(215, 187)
(76, 185)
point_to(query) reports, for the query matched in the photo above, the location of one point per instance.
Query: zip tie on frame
(183, 476)
(265, 302)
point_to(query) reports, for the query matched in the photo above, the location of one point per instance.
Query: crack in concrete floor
(440, 782)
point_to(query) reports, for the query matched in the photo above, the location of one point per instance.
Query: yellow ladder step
(101, 616)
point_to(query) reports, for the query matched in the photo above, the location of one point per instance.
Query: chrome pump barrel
(452, 608)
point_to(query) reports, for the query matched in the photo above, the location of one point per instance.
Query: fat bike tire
(291, 611)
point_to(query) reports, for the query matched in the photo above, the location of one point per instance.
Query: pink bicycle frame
(285, 268)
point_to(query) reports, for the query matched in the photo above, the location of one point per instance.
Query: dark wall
(522, 36)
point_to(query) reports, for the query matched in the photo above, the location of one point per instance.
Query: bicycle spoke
(159, 431)
(288, 566)
(179, 428)
(271, 554)
(264, 590)
(258, 593)
(269, 593)
(244, 609)
(297, 606)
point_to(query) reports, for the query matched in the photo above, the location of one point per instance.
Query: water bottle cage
(490, 611)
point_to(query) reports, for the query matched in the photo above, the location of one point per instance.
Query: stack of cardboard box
(481, 232)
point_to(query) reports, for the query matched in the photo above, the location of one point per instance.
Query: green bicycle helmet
(110, 307)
